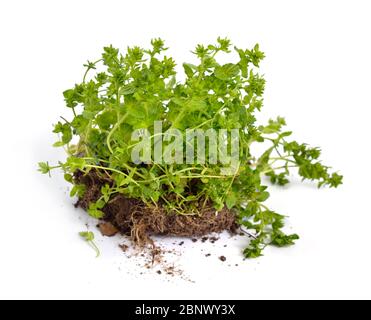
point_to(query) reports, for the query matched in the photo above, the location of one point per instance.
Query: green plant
(133, 90)
(89, 237)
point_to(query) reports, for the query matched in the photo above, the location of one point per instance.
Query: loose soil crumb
(204, 239)
(152, 259)
(194, 240)
(170, 271)
(181, 243)
(222, 258)
(156, 255)
(124, 247)
(208, 255)
(213, 239)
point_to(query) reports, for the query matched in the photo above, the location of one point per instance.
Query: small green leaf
(78, 190)
(89, 238)
(66, 132)
(106, 189)
(68, 178)
(189, 69)
(282, 240)
(231, 200)
(253, 253)
(95, 213)
(128, 89)
(75, 164)
(262, 196)
(106, 119)
(44, 167)
(191, 105)
(227, 71)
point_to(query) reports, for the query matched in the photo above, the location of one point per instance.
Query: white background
(318, 71)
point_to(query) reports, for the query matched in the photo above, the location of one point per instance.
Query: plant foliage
(123, 92)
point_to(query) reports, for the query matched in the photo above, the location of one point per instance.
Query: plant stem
(112, 170)
(117, 125)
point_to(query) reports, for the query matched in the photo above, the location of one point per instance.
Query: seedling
(89, 238)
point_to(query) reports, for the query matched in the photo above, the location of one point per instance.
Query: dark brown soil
(136, 219)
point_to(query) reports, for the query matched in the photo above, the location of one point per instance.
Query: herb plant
(123, 92)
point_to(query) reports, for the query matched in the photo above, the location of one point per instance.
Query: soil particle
(124, 247)
(170, 270)
(214, 239)
(204, 239)
(222, 258)
(207, 255)
(181, 243)
(156, 255)
(194, 240)
(108, 229)
(159, 272)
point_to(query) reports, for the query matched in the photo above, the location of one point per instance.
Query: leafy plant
(123, 92)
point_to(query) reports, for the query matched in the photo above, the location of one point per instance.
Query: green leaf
(275, 126)
(282, 240)
(106, 120)
(253, 253)
(335, 180)
(78, 190)
(256, 55)
(189, 69)
(224, 44)
(66, 131)
(44, 167)
(191, 105)
(227, 71)
(79, 123)
(262, 196)
(75, 163)
(128, 89)
(95, 213)
(231, 200)
(255, 248)
(88, 236)
(106, 192)
(68, 177)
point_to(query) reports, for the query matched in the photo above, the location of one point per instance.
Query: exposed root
(139, 221)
